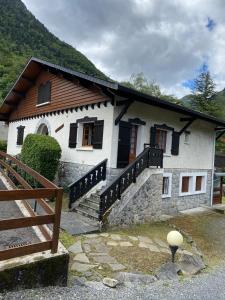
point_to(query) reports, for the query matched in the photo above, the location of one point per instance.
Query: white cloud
(167, 40)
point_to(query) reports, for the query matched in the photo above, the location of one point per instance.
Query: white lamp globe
(175, 238)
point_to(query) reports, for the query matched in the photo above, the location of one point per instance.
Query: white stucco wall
(89, 157)
(197, 154)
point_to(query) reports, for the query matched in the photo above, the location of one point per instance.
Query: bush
(3, 146)
(41, 153)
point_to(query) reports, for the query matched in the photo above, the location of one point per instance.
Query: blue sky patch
(210, 24)
(190, 83)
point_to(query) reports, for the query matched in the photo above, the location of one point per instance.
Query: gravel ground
(205, 286)
(9, 209)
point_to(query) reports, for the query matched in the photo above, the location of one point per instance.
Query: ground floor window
(161, 139)
(192, 183)
(87, 134)
(167, 184)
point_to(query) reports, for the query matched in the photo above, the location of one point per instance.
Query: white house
(94, 119)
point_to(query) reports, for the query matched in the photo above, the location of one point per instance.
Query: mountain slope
(23, 36)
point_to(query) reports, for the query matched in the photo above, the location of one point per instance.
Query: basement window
(192, 183)
(167, 184)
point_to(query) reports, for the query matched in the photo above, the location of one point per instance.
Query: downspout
(213, 166)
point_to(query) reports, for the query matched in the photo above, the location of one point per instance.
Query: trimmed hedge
(3, 146)
(41, 153)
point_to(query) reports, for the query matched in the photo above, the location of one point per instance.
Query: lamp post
(174, 239)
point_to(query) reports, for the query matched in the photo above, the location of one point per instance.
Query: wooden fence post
(56, 225)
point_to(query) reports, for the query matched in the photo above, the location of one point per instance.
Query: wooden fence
(27, 184)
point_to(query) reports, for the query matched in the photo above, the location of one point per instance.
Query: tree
(203, 96)
(140, 83)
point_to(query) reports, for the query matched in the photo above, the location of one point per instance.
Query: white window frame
(187, 137)
(192, 183)
(169, 175)
(168, 141)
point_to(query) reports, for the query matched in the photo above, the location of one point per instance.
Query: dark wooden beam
(187, 125)
(22, 95)
(220, 134)
(186, 119)
(219, 128)
(124, 110)
(31, 81)
(10, 104)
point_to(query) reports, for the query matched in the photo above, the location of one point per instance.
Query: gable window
(44, 93)
(161, 139)
(167, 184)
(20, 135)
(192, 183)
(87, 134)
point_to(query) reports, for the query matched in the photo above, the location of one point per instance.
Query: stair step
(89, 207)
(93, 200)
(93, 204)
(87, 214)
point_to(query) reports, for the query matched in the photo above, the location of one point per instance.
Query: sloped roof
(35, 66)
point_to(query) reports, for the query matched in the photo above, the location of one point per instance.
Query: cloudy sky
(168, 40)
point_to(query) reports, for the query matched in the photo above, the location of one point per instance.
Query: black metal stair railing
(149, 157)
(87, 182)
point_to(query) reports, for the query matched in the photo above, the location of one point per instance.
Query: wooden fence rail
(11, 168)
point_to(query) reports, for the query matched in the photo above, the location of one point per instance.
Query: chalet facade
(93, 120)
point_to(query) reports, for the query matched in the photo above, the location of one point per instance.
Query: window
(185, 184)
(20, 135)
(87, 134)
(167, 184)
(44, 93)
(192, 183)
(161, 139)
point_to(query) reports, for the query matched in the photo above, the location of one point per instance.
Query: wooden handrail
(87, 182)
(42, 180)
(48, 190)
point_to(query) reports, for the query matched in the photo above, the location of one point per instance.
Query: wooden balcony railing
(149, 157)
(16, 173)
(87, 182)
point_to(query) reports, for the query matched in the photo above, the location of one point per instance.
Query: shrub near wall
(3, 146)
(41, 153)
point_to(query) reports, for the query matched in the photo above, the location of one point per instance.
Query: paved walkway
(9, 209)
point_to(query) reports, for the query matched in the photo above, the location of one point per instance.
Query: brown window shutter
(152, 137)
(20, 135)
(73, 135)
(98, 134)
(175, 143)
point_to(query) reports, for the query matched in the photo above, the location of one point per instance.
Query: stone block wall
(70, 172)
(141, 202)
(175, 203)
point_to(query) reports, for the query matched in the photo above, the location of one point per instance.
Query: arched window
(43, 129)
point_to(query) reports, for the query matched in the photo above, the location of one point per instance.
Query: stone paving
(92, 252)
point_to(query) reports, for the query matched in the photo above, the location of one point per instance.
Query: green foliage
(23, 36)
(220, 146)
(3, 146)
(202, 98)
(140, 83)
(41, 153)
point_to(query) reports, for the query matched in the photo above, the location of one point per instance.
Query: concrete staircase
(89, 206)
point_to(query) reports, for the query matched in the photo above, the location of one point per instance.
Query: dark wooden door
(217, 190)
(123, 144)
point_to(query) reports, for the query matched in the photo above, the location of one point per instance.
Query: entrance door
(133, 143)
(217, 189)
(123, 144)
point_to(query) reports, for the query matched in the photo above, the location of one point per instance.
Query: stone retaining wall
(141, 202)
